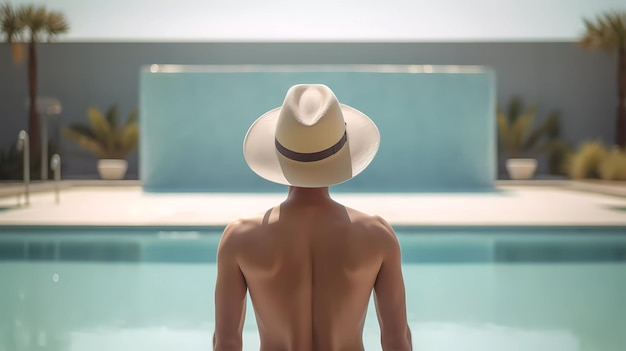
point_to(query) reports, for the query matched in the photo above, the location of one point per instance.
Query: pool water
(509, 291)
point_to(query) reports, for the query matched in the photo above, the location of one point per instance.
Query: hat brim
(262, 157)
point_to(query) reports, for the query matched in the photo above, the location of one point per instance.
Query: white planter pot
(112, 169)
(521, 168)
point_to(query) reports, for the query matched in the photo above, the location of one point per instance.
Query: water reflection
(486, 307)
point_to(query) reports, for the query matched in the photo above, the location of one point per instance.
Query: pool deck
(536, 203)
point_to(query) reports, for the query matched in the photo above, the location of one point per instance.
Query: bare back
(310, 270)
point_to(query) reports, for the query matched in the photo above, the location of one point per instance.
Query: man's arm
(230, 294)
(389, 297)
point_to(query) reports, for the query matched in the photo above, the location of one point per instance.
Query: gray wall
(555, 75)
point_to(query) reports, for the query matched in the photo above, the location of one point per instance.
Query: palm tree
(608, 33)
(29, 24)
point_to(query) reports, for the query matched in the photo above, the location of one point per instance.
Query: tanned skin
(310, 265)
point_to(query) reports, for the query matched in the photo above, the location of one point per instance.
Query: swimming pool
(489, 288)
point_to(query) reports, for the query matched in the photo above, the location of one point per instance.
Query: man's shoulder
(239, 229)
(379, 233)
(242, 226)
(373, 224)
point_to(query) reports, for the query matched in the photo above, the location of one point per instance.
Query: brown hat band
(312, 156)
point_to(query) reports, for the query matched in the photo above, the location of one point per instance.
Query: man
(310, 263)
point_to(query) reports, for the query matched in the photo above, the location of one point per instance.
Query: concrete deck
(513, 204)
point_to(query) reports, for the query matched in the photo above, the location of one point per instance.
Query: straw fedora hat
(311, 141)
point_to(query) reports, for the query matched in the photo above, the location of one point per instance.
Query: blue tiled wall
(437, 129)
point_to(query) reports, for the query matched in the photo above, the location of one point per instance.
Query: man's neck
(308, 195)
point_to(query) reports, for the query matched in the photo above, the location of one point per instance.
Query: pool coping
(616, 188)
(151, 228)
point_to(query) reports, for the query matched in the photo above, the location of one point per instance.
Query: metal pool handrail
(55, 165)
(23, 145)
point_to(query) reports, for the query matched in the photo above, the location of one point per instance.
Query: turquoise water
(479, 289)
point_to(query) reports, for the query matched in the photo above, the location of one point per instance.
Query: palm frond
(530, 142)
(10, 23)
(513, 135)
(55, 24)
(515, 108)
(85, 141)
(617, 24)
(101, 127)
(552, 125)
(520, 129)
(132, 117)
(34, 18)
(113, 117)
(607, 32)
(83, 130)
(504, 132)
(550, 128)
(129, 137)
(34, 21)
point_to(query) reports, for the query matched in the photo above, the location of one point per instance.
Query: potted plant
(108, 139)
(608, 33)
(27, 25)
(520, 140)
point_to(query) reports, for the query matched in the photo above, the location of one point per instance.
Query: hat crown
(310, 119)
(311, 141)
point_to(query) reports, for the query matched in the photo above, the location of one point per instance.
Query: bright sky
(326, 20)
